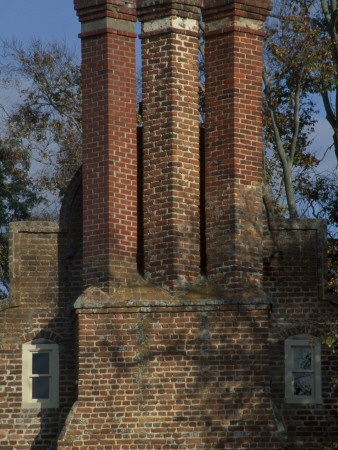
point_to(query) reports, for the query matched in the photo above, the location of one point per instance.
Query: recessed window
(302, 370)
(40, 375)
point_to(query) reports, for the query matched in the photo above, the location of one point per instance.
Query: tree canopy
(300, 69)
(46, 118)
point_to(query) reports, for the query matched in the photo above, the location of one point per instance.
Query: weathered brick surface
(295, 275)
(45, 271)
(170, 142)
(34, 270)
(305, 426)
(233, 141)
(38, 307)
(178, 377)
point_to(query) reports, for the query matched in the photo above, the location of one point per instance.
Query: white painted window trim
(27, 351)
(303, 341)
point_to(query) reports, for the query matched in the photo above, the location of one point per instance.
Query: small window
(302, 370)
(40, 375)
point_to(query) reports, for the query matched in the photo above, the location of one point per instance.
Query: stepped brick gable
(171, 307)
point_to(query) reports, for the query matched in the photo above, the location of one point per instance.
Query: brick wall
(45, 273)
(34, 270)
(38, 308)
(172, 377)
(295, 275)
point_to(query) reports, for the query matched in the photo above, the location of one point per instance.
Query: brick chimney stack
(233, 141)
(171, 140)
(171, 177)
(187, 365)
(109, 141)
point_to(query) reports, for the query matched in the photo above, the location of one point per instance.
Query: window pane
(40, 387)
(302, 358)
(302, 384)
(40, 364)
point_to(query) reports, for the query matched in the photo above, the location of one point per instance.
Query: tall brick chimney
(109, 141)
(171, 140)
(233, 143)
(186, 366)
(233, 140)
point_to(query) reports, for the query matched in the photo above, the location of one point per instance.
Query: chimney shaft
(171, 178)
(171, 141)
(109, 141)
(233, 140)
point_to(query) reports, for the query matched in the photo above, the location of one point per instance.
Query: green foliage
(18, 197)
(331, 446)
(332, 339)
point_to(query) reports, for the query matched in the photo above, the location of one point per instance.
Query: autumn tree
(322, 15)
(319, 18)
(295, 63)
(46, 117)
(298, 68)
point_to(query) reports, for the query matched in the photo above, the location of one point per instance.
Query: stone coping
(141, 293)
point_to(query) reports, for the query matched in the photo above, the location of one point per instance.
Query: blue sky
(45, 19)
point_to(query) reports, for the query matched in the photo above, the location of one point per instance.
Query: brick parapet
(33, 262)
(294, 251)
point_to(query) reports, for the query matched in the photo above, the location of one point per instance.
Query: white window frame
(28, 350)
(304, 341)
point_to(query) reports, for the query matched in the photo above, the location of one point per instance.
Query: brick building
(170, 308)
